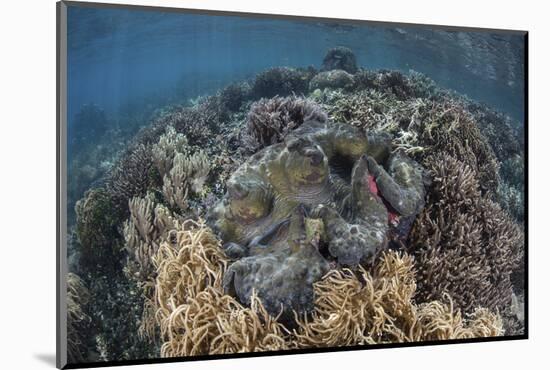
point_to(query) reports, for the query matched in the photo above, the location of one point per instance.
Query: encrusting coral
(464, 243)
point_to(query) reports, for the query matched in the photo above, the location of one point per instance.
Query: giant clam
(350, 182)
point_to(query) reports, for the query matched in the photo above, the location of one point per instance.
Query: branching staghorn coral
(465, 245)
(419, 126)
(450, 129)
(364, 308)
(270, 120)
(78, 321)
(369, 109)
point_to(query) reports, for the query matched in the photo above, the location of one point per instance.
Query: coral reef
(194, 315)
(97, 231)
(101, 259)
(334, 79)
(131, 176)
(363, 308)
(78, 321)
(147, 227)
(188, 174)
(340, 58)
(164, 151)
(472, 257)
(420, 127)
(281, 81)
(511, 189)
(270, 120)
(309, 181)
(197, 318)
(182, 173)
(501, 133)
(392, 82)
(233, 96)
(199, 122)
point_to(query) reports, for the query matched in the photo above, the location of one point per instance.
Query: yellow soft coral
(196, 317)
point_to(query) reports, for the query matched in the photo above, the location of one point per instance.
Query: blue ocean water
(117, 57)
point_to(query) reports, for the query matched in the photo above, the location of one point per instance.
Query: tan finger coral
(195, 316)
(363, 308)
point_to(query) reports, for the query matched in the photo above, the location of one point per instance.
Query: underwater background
(134, 73)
